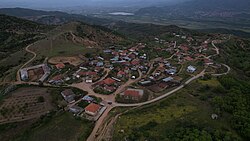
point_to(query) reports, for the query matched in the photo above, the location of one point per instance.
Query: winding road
(34, 56)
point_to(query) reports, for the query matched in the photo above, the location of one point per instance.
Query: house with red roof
(135, 62)
(188, 58)
(121, 74)
(132, 56)
(88, 73)
(60, 66)
(58, 79)
(109, 81)
(92, 109)
(184, 48)
(109, 88)
(133, 94)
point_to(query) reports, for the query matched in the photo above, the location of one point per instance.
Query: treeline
(236, 53)
(9, 23)
(236, 101)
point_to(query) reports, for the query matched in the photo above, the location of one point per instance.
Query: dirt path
(34, 56)
(218, 53)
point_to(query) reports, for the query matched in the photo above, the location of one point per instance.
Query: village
(125, 75)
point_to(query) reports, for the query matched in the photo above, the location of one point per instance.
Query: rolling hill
(50, 17)
(204, 14)
(72, 38)
(15, 34)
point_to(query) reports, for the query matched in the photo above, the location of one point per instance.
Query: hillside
(203, 14)
(50, 17)
(57, 18)
(76, 38)
(15, 34)
(145, 31)
(69, 39)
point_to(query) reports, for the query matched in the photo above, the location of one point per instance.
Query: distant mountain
(50, 17)
(197, 7)
(235, 13)
(137, 30)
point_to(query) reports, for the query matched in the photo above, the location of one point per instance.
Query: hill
(73, 38)
(144, 31)
(15, 34)
(76, 38)
(203, 14)
(57, 18)
(50, 17)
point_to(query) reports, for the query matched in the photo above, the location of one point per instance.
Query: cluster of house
(92, 109)
(121, 62)
(127, 57)
(186, 51)
(42, 70)
(163, 71)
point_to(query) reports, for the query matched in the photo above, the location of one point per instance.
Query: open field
(74, 60)
(63, 127)
(10, 65)
(24, 104)
(59, 47)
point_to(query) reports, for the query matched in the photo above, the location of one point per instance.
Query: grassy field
(59, 47)
(11, 64)
(62, 128)
(185, 109)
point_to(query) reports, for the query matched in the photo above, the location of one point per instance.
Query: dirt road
(18, 78)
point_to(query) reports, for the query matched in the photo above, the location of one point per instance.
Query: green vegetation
(15, 34)
(40, 99)
(63, 127)
(187, 114)
(235, 53)
(235, 100)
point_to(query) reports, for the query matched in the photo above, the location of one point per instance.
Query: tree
(40, 99)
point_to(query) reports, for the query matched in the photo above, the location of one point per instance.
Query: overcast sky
(68, 3)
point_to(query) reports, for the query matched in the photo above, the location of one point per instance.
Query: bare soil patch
(74, 60)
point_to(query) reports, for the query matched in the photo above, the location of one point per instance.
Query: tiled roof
(132, 93)
(121, 73)
(68, 92)
(109, 81)
(135, 62)
(93, 108)
(57, 78)
(87, 73)
(60, 66)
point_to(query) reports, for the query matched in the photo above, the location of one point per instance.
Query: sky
(71, 3)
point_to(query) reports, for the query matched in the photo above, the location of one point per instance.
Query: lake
(122, 14)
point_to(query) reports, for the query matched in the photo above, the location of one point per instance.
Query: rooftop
(93, 108)
(109, 81)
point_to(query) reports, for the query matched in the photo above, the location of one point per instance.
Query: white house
(191, 69)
